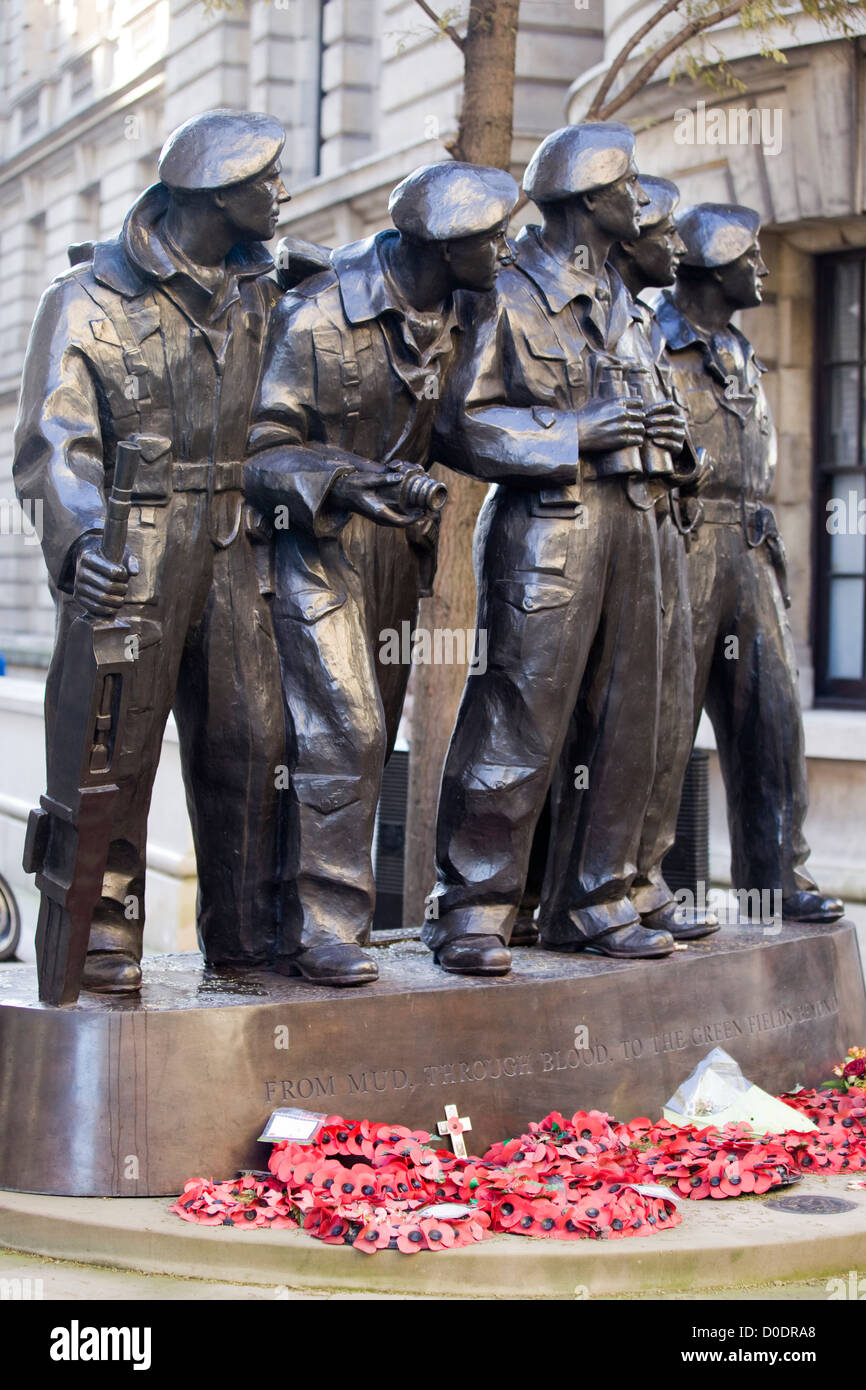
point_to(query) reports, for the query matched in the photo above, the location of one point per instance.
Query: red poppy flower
(545, 1218)
(393, 1187)
(613, 1219)
(333, 1137)
(411, 1238)
(476, 1228)
(502, 1153)
(376, 1235)
(361, 1141)
(333, 1230)
(193, 1191)
(303, 1174)
(572, 1224)
(359, 1181)
(439, 1234)
(283, 1157)
(591, 1124)
(327, 1178)
(511, 1212)
(248, 1215)
(211, 1216)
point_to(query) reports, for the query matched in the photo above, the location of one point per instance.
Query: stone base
(130, 1097)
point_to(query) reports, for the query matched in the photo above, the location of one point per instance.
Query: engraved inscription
(299, 1088)
(481, 1069)
(373, 1081)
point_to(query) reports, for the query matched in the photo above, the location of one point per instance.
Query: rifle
(69, 832)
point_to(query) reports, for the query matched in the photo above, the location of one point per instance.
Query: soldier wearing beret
(350, 386)
(568, 576)
(156, 338)
(745, 671)
(649, 261)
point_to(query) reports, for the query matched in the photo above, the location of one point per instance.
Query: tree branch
(625, 52)
(654, 62)
(443, 28)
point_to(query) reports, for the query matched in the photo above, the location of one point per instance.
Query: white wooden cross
(455, 1126)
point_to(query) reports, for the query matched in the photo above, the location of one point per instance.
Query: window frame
(832, 691)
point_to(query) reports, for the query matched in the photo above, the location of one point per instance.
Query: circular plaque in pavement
(804, 1204)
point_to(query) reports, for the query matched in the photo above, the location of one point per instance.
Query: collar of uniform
(559, 282)
(366, 290)
(141, 254)
(681, 333)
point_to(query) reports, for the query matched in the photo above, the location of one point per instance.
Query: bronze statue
(155, 340)
(341, 433)
(568, 573)
(745, 672)
(645, 261)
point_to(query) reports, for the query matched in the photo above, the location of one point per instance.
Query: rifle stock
(69, 833)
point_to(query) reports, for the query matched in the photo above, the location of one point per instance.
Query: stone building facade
(792, 143)
(367, 90)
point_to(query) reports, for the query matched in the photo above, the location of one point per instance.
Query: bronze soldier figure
(648, 261)
(345, 411)
(568, 575)
(744, 655)
(156, 339)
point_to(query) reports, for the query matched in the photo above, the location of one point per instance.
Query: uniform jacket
(351, 375)
(343, 371)
(727, 405)
(132, 345)
(533, 355)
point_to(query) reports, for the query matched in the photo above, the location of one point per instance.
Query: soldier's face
(253, 207)
(657, 252)
(474, 261)
(741, 281)
(616, 208)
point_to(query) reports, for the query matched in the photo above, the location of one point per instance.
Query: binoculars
(421, 492)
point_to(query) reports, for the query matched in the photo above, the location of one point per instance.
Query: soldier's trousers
(746, 676)
(673, 745)
(200, 642)
(675, 729)
(388, 588)
(571, 612)
(336, 748)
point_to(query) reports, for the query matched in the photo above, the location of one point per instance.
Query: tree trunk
(484, 137)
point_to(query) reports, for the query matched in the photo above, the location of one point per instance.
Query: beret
(443, 202)
(663, 198)
(219, 148)
(717, 233)
(579, 159)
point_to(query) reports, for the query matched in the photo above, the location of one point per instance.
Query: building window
(29, 116)
(81, 79)
(840, 610)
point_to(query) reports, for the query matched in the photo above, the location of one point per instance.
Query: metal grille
(390, 843)
(687, 862)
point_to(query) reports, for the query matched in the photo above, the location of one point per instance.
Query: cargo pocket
(526, 621)
(309, 605)
(324, 795)
(153, 479)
